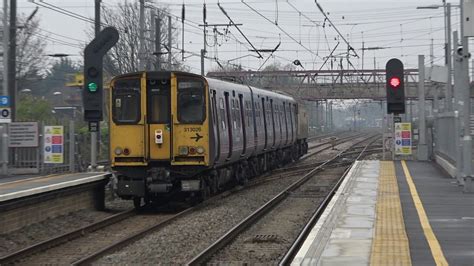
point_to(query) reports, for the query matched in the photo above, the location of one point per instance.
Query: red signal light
(395, 82)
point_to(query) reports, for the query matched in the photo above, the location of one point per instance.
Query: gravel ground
(182, 240)
(267, 241)
(49, 228)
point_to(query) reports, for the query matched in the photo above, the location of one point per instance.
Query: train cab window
(126, 101)
(191, 101)
(158, 101)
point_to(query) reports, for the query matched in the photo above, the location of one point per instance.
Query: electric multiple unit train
(177, 134)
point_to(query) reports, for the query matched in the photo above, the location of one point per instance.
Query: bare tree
(31, 61)
(30, 57)
(123, 57)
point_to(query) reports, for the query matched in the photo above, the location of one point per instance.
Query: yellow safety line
(390, 245)
(435, 247)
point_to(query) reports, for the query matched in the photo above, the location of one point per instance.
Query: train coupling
(159, 181)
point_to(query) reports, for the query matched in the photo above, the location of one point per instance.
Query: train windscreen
(191, 101)
(158, 101)
(126, 101)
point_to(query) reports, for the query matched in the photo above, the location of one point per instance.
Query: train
(185, 136)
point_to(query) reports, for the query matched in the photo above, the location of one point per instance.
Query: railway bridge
(314, 85)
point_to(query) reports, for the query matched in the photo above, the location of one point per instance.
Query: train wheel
(214, 182)
(240, 174)
(205, 192)
(137, 203)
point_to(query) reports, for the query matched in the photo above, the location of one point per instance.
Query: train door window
(126, 101)
(285, 120)
(222, 112)
(249, 113)
(158, 101)
(234, 123)
(272, 112)
(291, 121)
(191, 101)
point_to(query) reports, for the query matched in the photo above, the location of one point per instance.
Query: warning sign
(403, 139)
(53, 144)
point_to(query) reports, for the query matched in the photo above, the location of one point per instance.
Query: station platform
(393, 213)
(15, 187)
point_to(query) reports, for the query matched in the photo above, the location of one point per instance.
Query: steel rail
(206, 254)
(130, 239)
(337, 142)
(293, 250)
(58, 240)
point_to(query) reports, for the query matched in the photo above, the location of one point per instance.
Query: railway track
(236, 246)
(73, 247)
(101, 238)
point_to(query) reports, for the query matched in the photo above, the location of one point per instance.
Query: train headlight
(200, 150)
(118, 151)
(183, 150)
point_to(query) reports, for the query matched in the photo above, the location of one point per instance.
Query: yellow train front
(172, 134)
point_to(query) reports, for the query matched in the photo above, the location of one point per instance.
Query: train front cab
(159, 133)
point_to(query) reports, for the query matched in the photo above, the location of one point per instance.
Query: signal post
(398, 135)
(93, 92)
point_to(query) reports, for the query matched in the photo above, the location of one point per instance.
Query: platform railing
(445, 136)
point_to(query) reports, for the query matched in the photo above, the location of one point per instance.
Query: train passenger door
(215, 125)
(265, 121)
(244, 125)
(272, 118)
(229, 123)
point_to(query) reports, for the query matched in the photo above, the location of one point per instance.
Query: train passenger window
(191, 101)
(126, 101)
(158, 102)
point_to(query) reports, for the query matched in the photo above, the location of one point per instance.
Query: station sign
(53, 144)
(4, 101)
(5, 111)
(23, 134)
(403, 141)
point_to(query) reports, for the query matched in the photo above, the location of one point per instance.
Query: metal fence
(31, 160)
(445, 136)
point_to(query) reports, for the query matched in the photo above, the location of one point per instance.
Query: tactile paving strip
(390, 245)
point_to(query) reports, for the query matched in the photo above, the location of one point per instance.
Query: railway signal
(93, 93)
(395, 87)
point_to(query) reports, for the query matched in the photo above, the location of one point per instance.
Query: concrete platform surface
(23, 186)
(394, 213)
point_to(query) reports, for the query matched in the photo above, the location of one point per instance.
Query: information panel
(53, 144)
(403, 139)
(23, 134)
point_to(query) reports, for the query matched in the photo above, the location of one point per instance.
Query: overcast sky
(397, 26)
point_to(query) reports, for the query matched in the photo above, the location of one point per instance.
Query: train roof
(228, 84)
(237, 86)
(156, 74)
